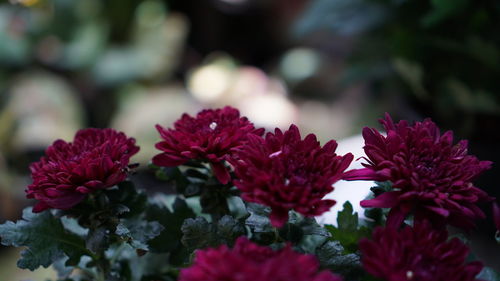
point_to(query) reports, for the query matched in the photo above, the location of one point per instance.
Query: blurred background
(330, 66)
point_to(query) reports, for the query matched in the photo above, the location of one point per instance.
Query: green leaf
(347, 231)
(127, 201)
(199, 233)
(442, 10)
(46, 239)
(258, 220)
(331, 255)
(170, 237)
(381, 187)
(138, 232)
(488, 274)
(98, 239)
(228, 229)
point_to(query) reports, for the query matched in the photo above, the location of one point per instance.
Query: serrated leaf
(331, 255)
(197, 233)
(347, 231)
(126, 201)
(63, 271)
(308, 225)
(138, 232)
(98, 239)
(46, 239)
(258, 220)
(170, 238)
(488, 274)
(228, 229)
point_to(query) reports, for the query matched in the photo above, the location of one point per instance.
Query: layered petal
(211, 136)
(429, 174)
(96, 159)
(248, 262)
(285, 172)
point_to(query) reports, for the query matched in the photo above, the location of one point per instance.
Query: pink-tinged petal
(221, 172)
(496, 215)
(396, 216)
(94, 184)
(93, 157)
(83, 190)
(249, 261)
(165, 160)
(421, 162)
(421, 252)
(360, 174)
(384, 200)
(440, 211)
(285, 172)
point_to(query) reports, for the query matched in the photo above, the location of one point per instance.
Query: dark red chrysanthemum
(420, 253)
(429, 174)
(248, 262)
(96, 159)
(210, 136)
(285, 172)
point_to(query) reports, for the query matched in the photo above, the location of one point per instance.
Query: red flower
(284, 172)
(248, 262)
(429, 174)
(419, 253)
(96, 159)
(210, 136)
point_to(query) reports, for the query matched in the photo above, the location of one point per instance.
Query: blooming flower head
(248, 262)
(284, 172)
(418, 253)
(429, 174)
(96, 159)
(210, 136)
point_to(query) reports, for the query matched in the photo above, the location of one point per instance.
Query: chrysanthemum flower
(419, 253)
(210, 136)
(96, 159)
(248, 262)
(285, 172)
(429, 174)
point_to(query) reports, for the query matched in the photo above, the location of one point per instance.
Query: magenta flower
(211, 136)
(285, 172)
(96, 159)
(248, 262)
(419, 253)
(429, 174)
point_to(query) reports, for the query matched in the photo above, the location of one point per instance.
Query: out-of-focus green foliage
(444, 54)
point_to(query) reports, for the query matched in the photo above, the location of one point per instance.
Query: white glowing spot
(208, 83)
(300, 63)
(212, 125)
(287, 182)
(409, 274)
(270, 110)
(274, 154)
